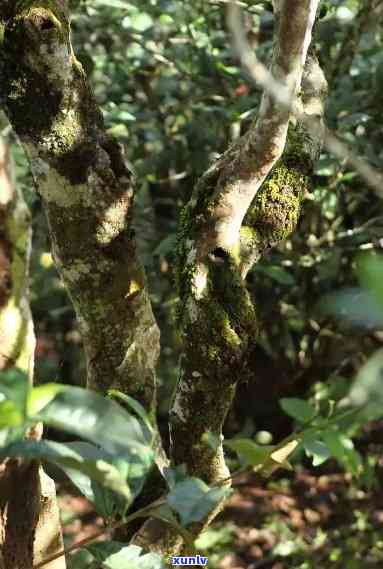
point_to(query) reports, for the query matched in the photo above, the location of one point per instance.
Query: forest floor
(310, 518)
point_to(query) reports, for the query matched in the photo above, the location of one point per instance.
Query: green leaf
(193, 500)
(342, 448)
(174, 475)
(96, 418)
(94, 464)
(298, 409)
(15, 387)
(317, 450)
(165, 20)
(134, 405)
(106, 549)
(80, 560)
(107, 502)
(115, 555)
(4, 433)
(141, 21)
(355, 305)
(105, 423)
(40, 396)
(120, 4)
(212, 440)
(251, 452)
(166, 514)
(10, 415)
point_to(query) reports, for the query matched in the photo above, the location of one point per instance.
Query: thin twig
(262, 76)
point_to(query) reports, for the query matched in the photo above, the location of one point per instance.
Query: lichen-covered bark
(29, 517)
(17, 339)
(233, 181)
(215, 253)
(275, 211)
(87, 191)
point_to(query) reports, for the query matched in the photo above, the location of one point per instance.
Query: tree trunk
(87, 191)
(29, 518)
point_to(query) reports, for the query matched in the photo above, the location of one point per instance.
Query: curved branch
(218, 319)
(242, 169)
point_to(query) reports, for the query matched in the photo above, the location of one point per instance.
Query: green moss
(18, 224)
(275, 211)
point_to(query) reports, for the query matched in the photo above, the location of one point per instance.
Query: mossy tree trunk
(29, 518)
(87, 191)
(248, 201)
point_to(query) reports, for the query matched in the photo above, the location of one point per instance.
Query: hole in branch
(219, 255)
(46, 24)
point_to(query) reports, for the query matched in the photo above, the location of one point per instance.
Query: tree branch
(288, 101)
(217, 315)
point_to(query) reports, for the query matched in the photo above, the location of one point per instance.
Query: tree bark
(29, 518)
(233, 216)
(87, 191)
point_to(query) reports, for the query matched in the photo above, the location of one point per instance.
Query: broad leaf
(41, 395)
(10, 415)
(93, 463)
(213, 440)
(96, 418)
(251, 452)
(115, 555)
(120, 4)
(193, 500)
(298, 409)
(368, 385)
(166, 514)
(342, 448)
(15, 387)
(317, 450)
(370, 272)
(106, 424)
(134, 405)
(107, 502)
(174, 475)
(355, 305)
